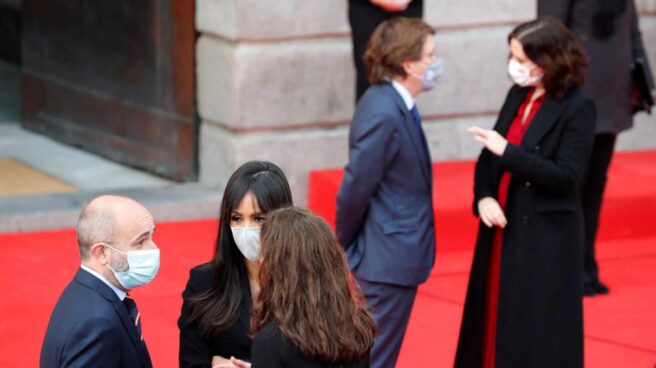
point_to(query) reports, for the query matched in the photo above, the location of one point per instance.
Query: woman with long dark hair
(217, 302)
(309, 313)
(524, 300)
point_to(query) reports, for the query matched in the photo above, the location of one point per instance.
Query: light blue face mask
(142, 267)
(432, 74)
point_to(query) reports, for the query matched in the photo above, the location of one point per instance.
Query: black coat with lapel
(540, 321)
(196, 349)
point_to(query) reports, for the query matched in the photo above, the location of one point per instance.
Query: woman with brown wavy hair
(524, 300)
(308, 313)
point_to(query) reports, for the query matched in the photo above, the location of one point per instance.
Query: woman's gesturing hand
(491, 213)
(492, 140)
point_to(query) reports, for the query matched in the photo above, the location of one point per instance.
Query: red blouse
(514, 136)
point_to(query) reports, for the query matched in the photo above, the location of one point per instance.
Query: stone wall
(276, 81)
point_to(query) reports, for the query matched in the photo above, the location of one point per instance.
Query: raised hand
(492, 140)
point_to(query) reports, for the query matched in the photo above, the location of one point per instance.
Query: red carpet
(620, 329)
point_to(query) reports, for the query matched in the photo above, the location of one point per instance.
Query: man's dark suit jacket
(91, 327)
(384, 206)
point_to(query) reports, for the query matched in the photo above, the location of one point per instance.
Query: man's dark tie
(131, 305)
(417, 119)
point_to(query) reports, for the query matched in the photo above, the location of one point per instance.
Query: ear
(407, 66)
(98, 252)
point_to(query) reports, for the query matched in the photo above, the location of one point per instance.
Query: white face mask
(521, 75)
(248, 241)
(142, 267)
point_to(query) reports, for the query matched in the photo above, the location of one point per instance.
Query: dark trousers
(364, 17)
(390, 306)
(592, 194)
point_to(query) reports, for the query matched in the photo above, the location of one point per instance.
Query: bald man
(96, 322)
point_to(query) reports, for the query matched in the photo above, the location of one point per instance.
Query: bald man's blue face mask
(142, 267)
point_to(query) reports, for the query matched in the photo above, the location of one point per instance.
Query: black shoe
(589, 289)
(600, 288)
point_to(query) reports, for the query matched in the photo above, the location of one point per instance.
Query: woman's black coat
(540, 321)
(197, 350)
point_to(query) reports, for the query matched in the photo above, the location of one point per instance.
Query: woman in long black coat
(524, 300)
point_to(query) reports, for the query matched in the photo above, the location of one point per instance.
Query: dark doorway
(10, 51)
(115, 77)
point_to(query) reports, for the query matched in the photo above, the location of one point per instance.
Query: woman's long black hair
(216, 309)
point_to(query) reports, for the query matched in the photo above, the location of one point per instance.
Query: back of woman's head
(308, 291)
(548, 44)
(216, 309)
